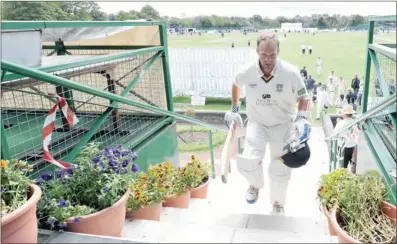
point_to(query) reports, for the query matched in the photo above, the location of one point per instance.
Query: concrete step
(164, 232)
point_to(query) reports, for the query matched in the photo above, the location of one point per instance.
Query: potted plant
(90, 198)
(178, 195)
(146, 196)
(361, 214)
(330, 186)
(19, 197)
(200, 177)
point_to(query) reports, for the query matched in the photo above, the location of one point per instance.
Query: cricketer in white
(273, 88)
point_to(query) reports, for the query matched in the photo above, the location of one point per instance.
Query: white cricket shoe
(278, 209)
(252, 194)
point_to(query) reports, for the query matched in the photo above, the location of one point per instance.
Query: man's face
(267, 52)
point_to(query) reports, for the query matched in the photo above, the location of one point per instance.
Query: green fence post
(5, 150)
(166, 67)
(211, 153)
(368, 66)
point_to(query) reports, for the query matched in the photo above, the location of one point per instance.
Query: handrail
(383, 105)
(57, 80)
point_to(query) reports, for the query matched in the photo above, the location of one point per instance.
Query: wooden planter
(152, 212)
(201, 191)
(107, 222)
(388, 209)
(177, 201)
(20, 226)
(327, 214)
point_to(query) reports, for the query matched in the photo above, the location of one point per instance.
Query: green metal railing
(378, 111)
(118, 118)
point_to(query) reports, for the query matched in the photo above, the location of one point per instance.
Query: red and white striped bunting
(49, 127)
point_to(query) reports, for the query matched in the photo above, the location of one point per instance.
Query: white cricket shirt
(272, 102)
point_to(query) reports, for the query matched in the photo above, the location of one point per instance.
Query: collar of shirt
(274, 72)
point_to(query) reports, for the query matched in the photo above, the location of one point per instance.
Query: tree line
(91, 11)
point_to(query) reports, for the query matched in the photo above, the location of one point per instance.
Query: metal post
(211, 153)
(5, 150)
(368, 66)
(166, 67)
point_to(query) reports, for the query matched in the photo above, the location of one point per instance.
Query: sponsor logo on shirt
(252, 85)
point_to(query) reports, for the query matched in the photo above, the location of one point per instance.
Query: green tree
(148, 12)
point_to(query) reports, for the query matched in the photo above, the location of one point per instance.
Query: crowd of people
(336, 93)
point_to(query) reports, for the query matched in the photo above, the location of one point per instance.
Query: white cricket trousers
(257, 137)
(320, 107)
(331, 97)
(319, 70)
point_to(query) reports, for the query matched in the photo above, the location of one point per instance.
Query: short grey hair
(268, 36)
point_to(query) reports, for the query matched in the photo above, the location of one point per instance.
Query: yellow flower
(21, 163)
(4, 163)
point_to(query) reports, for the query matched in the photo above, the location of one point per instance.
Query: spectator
(332, 83)
(341, 91)
(360, 95)
(345, 142)
(322, 100)
(310, 84)
(350, 97)
(319, 64)
(304, 72)
(303, 49)
(355, 84)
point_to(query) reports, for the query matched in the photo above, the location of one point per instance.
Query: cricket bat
(227, 150)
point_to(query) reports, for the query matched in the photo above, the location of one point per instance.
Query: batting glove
(303, 124)
(234, 116)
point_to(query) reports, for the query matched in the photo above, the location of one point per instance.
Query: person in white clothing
(319, 64)
(303, 49)
(275, 90)
(341, 91)
(346, 142)
(310, 49)
(322, 101)
(332, 83)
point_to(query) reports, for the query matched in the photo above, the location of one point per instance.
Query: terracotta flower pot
(107, 222)
(201, 191)
(20, 226)
(331, 229)
(152, 212)
(388, 209)
(177, 201)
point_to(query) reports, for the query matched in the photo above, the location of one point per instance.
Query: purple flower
(63, 203)
(113, 162)
(125, 163)
(109, 153)
(124, 153)
(125, 170)
(105, 189)
(76, 219)
(96, 159)
(51, 220)
(46, 176)
(133, 155)
(116, 152)
(38, 181)
(135, 168)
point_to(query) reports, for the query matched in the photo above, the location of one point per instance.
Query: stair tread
(159, 232)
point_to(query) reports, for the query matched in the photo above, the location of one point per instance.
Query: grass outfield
(343, 52)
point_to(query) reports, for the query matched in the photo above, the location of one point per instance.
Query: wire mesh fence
(26, 103)
(379, 90)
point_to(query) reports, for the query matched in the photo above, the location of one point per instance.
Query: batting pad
(252, 170)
